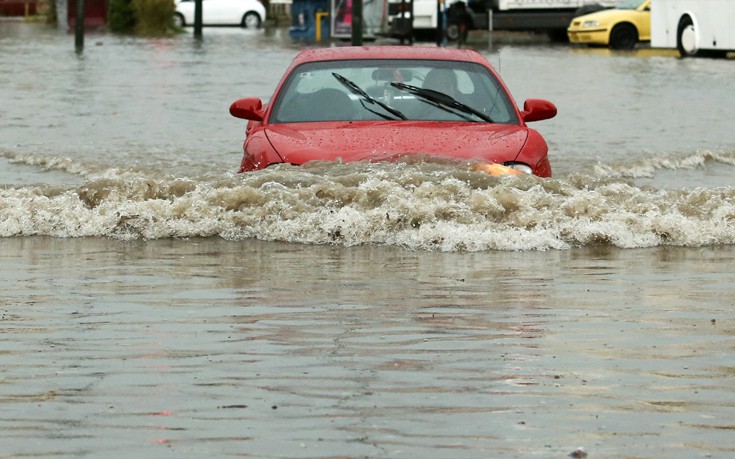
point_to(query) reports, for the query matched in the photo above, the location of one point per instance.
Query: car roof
(388, 52)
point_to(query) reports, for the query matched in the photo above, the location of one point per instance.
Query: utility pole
(356, 22)
(79, 27)
(197, 18)
(441, 23)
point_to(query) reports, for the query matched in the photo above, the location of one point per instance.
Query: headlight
(509, 168)
(520, 167)
(590, 24)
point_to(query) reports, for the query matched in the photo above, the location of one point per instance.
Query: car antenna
(500, 67)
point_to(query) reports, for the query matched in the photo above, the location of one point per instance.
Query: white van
(551, 16)
(694, 27)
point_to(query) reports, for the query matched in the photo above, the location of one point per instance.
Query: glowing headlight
(520, 167)
(502, 169)
(590, 24)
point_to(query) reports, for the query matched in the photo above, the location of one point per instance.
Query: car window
(391, 90)
(630, 4)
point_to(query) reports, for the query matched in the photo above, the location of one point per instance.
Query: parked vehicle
(694, 27)
(384, 103)
(550, 16)
(619, 28)
(19, 7)
(243, 13)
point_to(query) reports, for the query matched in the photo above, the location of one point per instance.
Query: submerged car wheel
(179, 21)
(558, 35)
(623, 36)
(452, 32)
(688, 44)
(251, 20)
(686, 38)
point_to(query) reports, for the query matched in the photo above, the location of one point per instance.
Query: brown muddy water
(156, 304)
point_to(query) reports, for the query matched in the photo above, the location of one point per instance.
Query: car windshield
(392, 90)
(630, 5)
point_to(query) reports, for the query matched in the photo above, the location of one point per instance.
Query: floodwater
(156, 304)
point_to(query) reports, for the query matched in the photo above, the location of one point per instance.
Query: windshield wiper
(355, 89)
(441, 101)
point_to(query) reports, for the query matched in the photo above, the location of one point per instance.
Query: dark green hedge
(141, 17)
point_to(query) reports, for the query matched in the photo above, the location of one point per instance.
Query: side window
(491, 100)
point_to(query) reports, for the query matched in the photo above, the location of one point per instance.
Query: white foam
(419, 206)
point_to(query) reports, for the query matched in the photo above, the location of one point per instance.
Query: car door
(214, 12)
(643, 21)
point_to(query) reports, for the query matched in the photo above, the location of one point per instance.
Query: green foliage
(51, 14)
(149, 18)
(154, 17)
(120, 18)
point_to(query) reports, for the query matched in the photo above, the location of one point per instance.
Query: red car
(382, 103)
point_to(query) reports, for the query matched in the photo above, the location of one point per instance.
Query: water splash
(418, 205)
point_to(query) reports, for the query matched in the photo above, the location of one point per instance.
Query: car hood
(607, 15)
(355, 141)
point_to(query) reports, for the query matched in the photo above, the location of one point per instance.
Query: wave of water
(414, 204)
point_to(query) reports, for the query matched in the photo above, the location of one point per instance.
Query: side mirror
(537, 110)
(250, 108)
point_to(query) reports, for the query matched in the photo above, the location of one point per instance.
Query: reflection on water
(211, 346)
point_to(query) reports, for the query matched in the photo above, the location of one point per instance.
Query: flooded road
(257, 349)
(155, 303)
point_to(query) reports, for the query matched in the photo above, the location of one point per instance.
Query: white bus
(694, 27)
(552, 16)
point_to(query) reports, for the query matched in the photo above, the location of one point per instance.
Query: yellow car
(618, 28)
